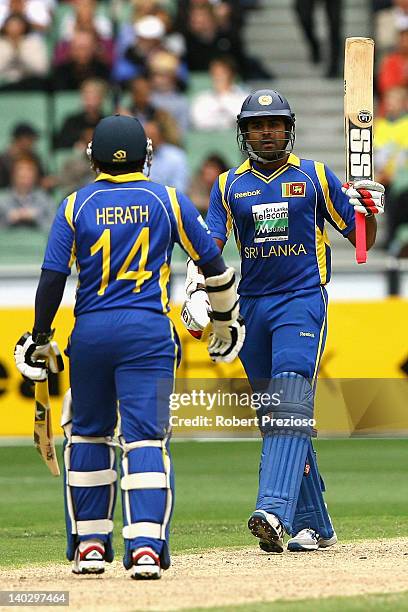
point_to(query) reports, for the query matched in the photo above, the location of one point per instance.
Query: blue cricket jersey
(120, 232)
(278, 222)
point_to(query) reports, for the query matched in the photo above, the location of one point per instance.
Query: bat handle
(361, 244)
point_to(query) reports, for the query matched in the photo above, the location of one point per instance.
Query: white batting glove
(228, 333)
(226, 340)
(194, 279)
(367, 197)
(35, 358)
(194, 313)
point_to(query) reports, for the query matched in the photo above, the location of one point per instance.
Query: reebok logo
(244, 194)
(308, 334)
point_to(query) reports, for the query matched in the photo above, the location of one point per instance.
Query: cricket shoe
(268, 528)
(89, 558)
(146, 564)
(309, 539)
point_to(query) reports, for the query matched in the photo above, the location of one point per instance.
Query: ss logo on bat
(360, 152)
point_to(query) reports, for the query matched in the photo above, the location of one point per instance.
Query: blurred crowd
(127, 56)
(391, 126)
(145, 58)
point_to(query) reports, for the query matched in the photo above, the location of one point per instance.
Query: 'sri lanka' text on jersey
(278, 222)
(120, 232)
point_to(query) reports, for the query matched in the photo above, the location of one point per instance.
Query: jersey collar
(293, 160)
(121, 178)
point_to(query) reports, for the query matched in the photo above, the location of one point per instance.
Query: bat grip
(361, 244)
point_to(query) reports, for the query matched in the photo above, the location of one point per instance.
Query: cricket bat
(43, 436)
(358, 122)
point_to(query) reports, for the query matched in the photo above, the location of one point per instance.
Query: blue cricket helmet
(264, 103)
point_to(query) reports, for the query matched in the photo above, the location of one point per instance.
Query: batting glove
(228, 332)
(367, 197)
(35, 355)
(226, 341)
(195, 313)
(194, 279)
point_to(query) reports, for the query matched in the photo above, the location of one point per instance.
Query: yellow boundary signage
(365, 340)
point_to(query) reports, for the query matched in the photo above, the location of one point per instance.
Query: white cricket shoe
(268, 528)
(146, 564)
(309, 539)
(89, 558)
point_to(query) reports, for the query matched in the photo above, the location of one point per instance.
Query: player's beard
(275, 154)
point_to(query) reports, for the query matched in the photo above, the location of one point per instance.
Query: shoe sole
(270, 540)
(89, 570)
(295, 547)
(143, 575)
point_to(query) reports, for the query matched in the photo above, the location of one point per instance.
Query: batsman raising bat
(120, 230)
(277, 205)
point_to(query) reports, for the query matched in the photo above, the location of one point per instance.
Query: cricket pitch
(222, 577)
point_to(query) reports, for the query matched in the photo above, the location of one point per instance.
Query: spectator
(391, 149)
(389, 20)
(38, 13)
(138, 40)
(165, 88)
(86, 15)
(169, 161)
(217, 109)
(305, 10)
(228, 14)
(390, 133)
(93, 95)
(83, 63)
(76, 171)
(23, 55)
(208, 35)
(146, 39)
(205, 41)
(23, 139)
(393, 70)
(202, 183)
(143, 108)
(174, 40)
(25, 204)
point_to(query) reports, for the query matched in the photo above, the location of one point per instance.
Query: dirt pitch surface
(228, 577)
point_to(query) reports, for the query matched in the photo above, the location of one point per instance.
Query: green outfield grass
(366, 480)
(363, 603)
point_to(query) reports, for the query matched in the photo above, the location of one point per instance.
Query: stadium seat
(197, 82)
(200, 144)
(21, 246)
(28, 107)
(69, 102)
(65, 103)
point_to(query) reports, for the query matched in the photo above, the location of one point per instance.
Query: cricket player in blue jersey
(120, 230)
(277, 206)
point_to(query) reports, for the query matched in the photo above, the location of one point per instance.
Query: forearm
(214, 267)
(48, 298)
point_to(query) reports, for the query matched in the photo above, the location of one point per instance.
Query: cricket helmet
(118, 141)
(265, 103)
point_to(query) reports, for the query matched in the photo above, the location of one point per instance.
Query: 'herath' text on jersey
(115, 215)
